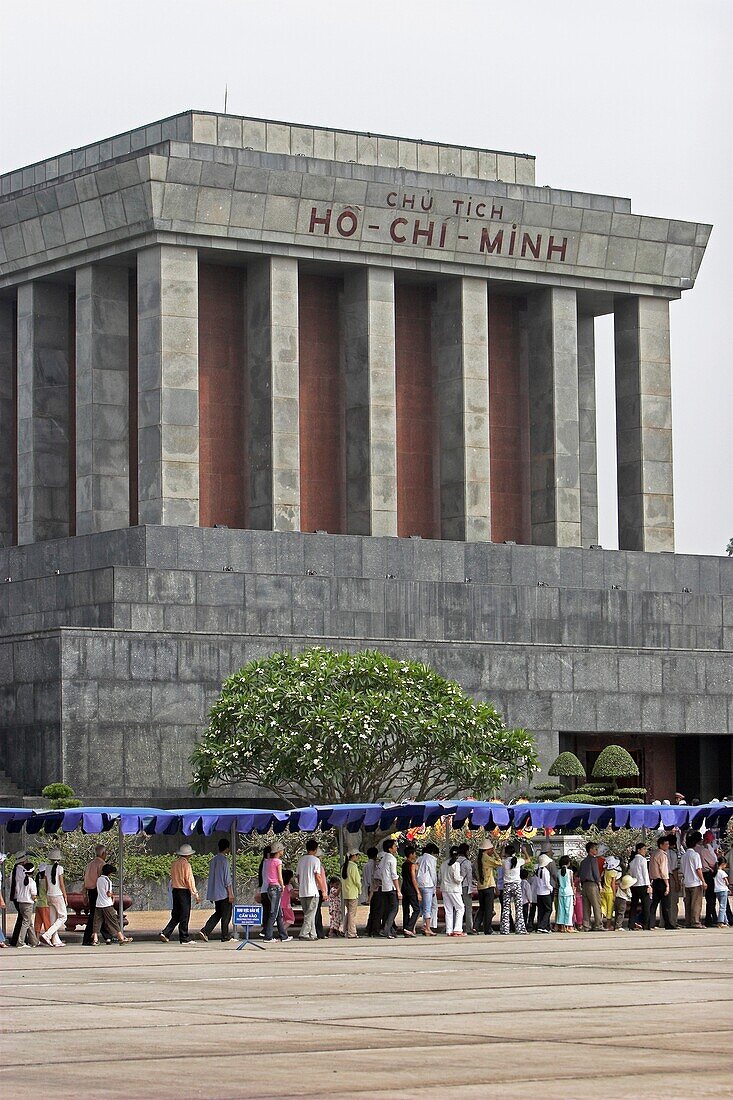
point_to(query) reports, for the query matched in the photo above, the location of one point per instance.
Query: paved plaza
(612, 1015)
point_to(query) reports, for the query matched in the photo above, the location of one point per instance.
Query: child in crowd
(335, 908)
(565, 896)
(623, 900)
(721, 891)
(286, 902)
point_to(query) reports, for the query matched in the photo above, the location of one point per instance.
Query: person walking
(309, 890)
(411, 894)
(464, 861)
(676, 887)
(25, 895)
(693, 881)
(659, 876)
(709, 857)
(642, 892)
(544, 894)
(565, 896)
(391, 894)
(721, 892)
(486, 865)
(104, 909)
(262, 889)
(351, 891)
(623, 901)
(42, 914)
(56, 894)
(590, 887)
(511, 894)
(427, 881)
(371, 889)
(272, 878)
(92, 871)
(451, 887)
(220, 890)
(183, 889)
(16, 875)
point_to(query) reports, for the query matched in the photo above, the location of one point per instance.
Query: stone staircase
(10, 794)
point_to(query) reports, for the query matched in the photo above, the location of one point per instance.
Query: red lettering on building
(417, 232)
(392, 198)
(393, 231)
(346, 223)
(408, 201)
(315, 220)
(487, 245)
(532, 245)
(429, 200)
(479, 210)
(559, 248)
(497, 212)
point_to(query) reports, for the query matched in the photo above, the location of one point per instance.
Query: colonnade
(66, 402)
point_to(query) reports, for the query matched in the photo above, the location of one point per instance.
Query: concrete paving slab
(586, 1016)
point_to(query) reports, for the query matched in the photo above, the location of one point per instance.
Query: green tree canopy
(323, 727)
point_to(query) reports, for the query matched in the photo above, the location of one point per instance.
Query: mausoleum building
(265, 385)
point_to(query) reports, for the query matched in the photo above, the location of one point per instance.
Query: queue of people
(535, 894)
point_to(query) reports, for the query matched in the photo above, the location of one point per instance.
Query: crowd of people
(535, 893)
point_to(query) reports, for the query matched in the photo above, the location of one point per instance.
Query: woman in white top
(25, 895)
(511, 892)
(451, 885)
(104, 913)
(427, 880)
(56, 893)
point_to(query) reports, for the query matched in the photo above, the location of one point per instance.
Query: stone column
(553, 417)
(644, 424)
(7, 428)
(368, 324)
(587, 430)
(43, 412)
(168, 385)
(272, 367)
(461, 356)
(102, 404)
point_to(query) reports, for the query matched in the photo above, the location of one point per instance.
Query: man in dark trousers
(589, 874)
(91, 874)
(219, 890)
(659, 876)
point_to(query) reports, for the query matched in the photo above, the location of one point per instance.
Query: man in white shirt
(642, 892)
(390, 888)
(309, 891)
(464, 863)
(693, 881)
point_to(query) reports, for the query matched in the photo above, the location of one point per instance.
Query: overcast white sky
(630, 97)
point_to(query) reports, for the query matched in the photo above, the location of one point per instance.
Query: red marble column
(508, 424)
(417, 437)
(322, 473)
(222, 405)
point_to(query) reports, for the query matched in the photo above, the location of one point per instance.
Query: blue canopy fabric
(356, 816)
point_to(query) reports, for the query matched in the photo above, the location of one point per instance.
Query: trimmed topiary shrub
(567, 765)
(614, 763)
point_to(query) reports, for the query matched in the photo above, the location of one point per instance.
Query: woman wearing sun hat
(623, 900)
(53, 874)
(272, 884)
(183, 888)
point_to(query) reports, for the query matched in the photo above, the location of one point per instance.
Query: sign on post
(247, 916)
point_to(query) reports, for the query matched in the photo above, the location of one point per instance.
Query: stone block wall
(107, 669)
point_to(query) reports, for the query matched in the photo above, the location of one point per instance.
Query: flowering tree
(327, 727)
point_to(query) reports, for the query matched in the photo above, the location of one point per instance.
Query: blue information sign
(247, 916)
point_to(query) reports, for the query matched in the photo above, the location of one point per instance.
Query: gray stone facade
(114, 639)
(107, 669)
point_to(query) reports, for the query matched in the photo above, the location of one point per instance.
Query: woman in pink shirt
(273, 885)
